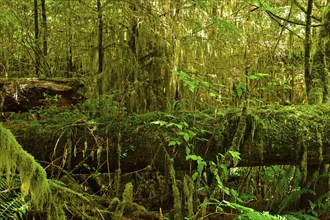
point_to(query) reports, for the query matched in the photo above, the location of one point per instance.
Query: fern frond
(12, 203)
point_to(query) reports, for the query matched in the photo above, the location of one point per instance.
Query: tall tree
(100, 37)
(317, 84)
(44, 27)
(36, 38)
(308, 45)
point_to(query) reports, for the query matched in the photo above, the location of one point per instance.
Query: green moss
(188, 188)
(176, 192)
(32, 175)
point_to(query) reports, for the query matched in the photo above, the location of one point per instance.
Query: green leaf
(186, 137)
(212, 94)
(206, 84)
(187, 152)
(253, 77)
(191, 134)
(200, 167)
(240, 88)
(194, 176)
(235, 154)
(174, 142)
(192, 157)
(179, 126)
(262, 74)
(175, 72)
(161, 123)
(192, 87)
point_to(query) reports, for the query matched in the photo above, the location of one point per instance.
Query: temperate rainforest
(164, 109)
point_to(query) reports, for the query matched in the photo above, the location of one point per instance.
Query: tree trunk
(100, 37)
(317, 80)
(308, 46)
(317, 83)
(44, 27)
(69, 54)
(36, 38)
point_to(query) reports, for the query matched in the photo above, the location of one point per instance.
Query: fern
(299, 216)
(293, 198)
(12, 203)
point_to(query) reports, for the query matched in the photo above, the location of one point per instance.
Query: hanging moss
(188, 188)
(33, 176)
(176, 191)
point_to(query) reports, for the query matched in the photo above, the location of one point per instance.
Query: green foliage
(104, 106)
(262, 4)
(190, 81)
(12, 203)
(226, 27)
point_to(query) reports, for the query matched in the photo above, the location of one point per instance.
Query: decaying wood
(276, 135)
(21, 95)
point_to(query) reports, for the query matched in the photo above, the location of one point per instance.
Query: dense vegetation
(181, 101)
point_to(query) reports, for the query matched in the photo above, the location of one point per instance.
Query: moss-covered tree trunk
(318, 82)
(317, 85)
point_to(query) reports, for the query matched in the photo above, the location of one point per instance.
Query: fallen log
(24, 94)
(273, 136)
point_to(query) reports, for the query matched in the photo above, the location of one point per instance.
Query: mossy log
(24, 94)
(272, 135)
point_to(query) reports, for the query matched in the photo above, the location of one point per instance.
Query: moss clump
(33, 176)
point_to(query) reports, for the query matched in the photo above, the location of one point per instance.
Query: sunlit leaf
(235, 154)
(174, 142)
(200, 167)
(161, 123)
(186, 137)
(262, 74)
(253, 77)
(212, 94)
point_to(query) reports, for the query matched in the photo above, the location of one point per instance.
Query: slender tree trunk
(36, 38)
(133, 38)
(308, 45)
(69, 37)
(44, 27)
(100, 36)
(308, 170)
